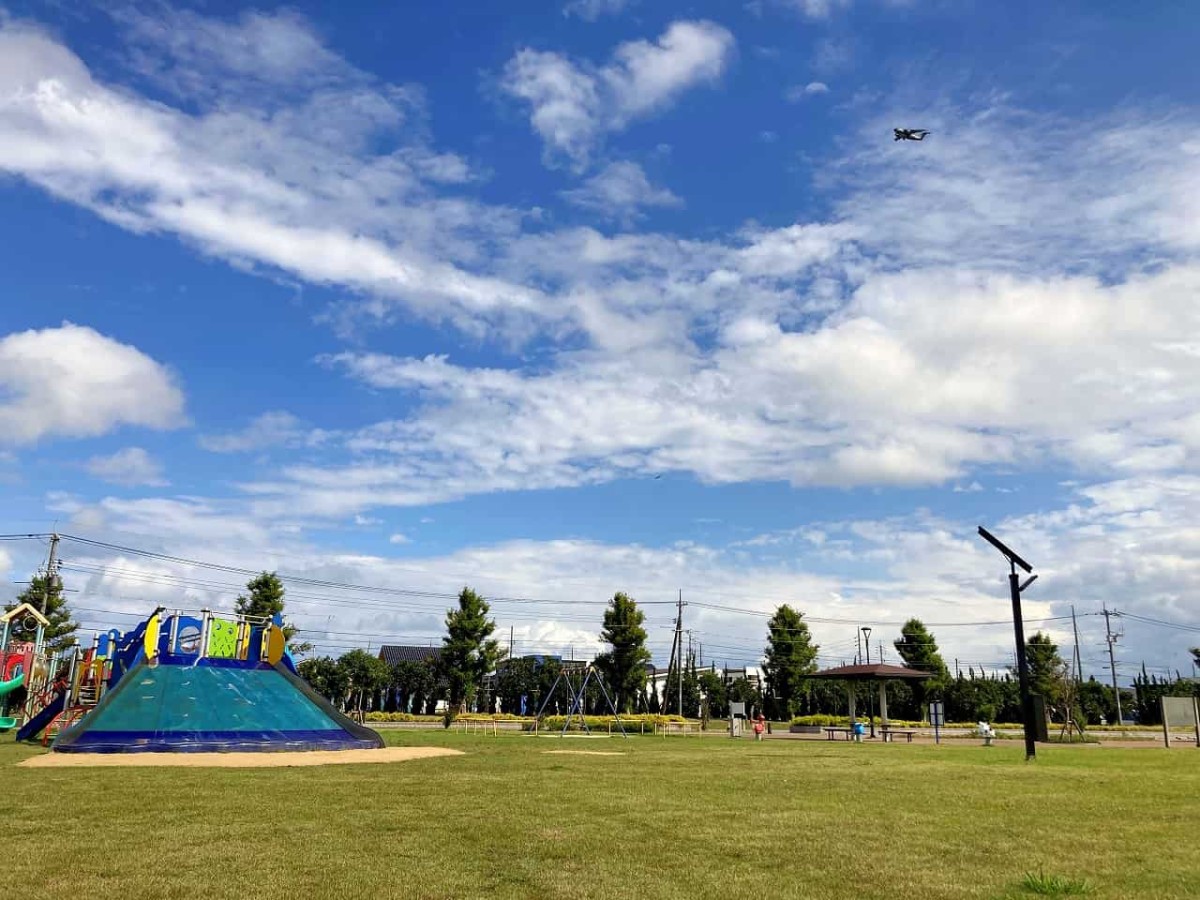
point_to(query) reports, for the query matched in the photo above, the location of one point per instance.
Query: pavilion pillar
(850, 694)
(883, 703)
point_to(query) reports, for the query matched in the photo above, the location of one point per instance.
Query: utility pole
(679, 643)
(51, 572)
(857, 647)
(881, 651)
(1112, 661)
(1078, 658)
(510, 641)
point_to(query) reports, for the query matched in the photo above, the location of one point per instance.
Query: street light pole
(1015, 587)
(866, 631)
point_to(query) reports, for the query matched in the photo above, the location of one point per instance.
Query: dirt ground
(238, 760)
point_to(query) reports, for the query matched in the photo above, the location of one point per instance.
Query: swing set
(576, 697)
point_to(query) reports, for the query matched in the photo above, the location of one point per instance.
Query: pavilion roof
(870, 672)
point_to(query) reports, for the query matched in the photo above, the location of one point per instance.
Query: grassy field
(677, 817)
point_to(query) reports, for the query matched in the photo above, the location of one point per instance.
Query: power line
(1159, 622)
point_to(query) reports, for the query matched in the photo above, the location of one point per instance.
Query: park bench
(833, 731)
(890, 733)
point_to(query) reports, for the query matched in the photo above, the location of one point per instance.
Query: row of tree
(469, 654)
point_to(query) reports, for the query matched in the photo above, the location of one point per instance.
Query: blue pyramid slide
(216, 705)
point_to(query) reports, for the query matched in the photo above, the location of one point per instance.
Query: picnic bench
(833, 731)
(890, 733)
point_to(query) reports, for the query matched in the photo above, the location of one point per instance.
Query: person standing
(760, 725)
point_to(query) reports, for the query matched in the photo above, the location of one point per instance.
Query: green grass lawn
(673, 817)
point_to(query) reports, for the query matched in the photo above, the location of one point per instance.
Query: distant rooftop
(397, 653)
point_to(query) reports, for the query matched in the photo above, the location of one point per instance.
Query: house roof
(397, 653)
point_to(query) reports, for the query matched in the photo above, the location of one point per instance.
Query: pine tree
(1047, 669)
(45, 594)
(715, 700)
(790, 655)
(624, 666)
(265, 599)
(919, 650)
(652, 704)
(468, 650)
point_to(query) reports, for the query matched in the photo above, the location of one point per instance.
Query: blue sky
(600, 295)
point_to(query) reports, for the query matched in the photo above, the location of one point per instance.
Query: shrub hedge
(399, 717)
(602, 723)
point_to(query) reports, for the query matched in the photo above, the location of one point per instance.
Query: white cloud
(362, 520)
(131, 467)
(271, 429)
(877, 398)
(973, 488)
(399, 539)
(574, 104)
(798, 92)
(591, 10)
(201, 57)
(620, 191)
(72, 381)
(260, 185)
(816, 9)
(1055, 199)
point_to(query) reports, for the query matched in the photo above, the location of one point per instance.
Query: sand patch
(588, 752)
(238, 760)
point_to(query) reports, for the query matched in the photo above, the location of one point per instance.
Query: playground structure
(23, 664)
(178, 682)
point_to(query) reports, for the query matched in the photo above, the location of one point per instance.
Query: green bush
(399, 717)
(465, 717)
(602, 723)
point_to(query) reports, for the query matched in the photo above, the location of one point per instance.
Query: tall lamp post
(866, 632)
(1015, 587)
